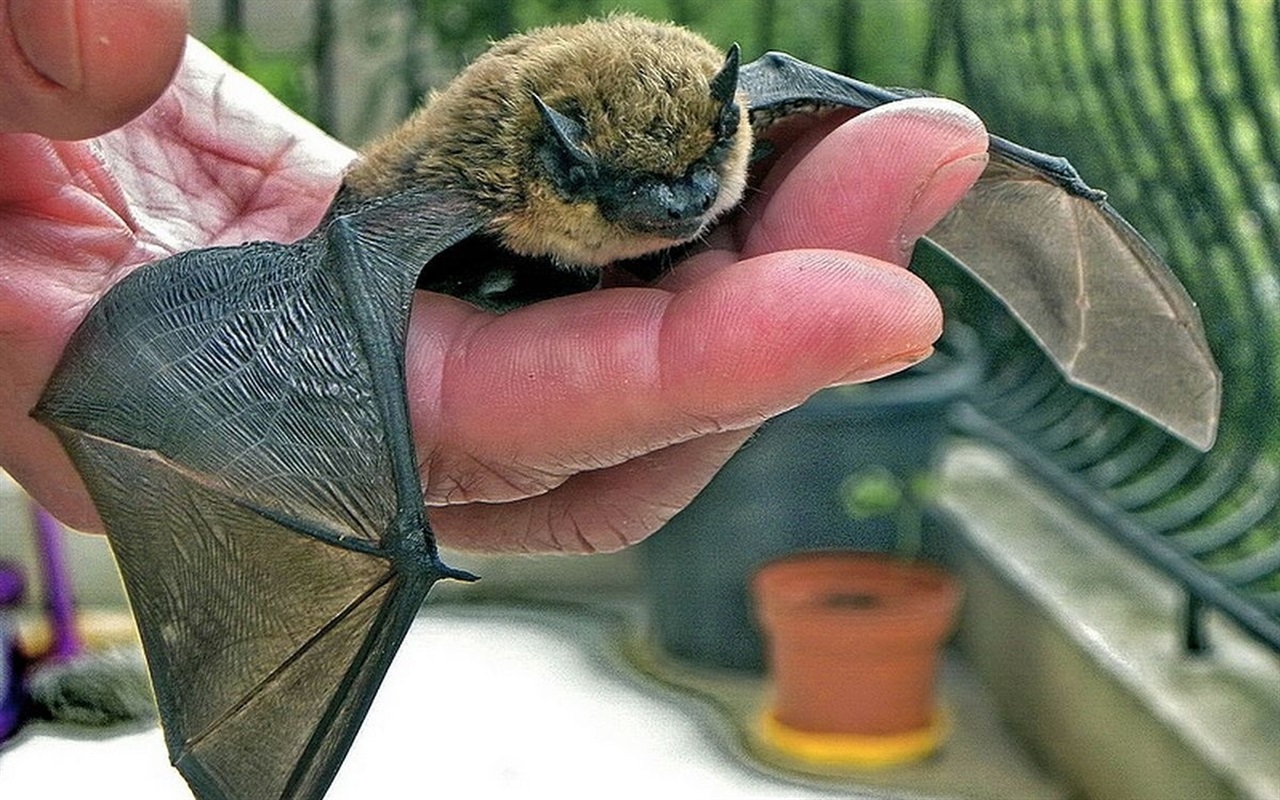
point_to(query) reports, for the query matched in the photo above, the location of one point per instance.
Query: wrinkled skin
(578, 424)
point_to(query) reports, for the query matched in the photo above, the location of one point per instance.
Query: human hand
(71, 69)
(579, 423)
(216, 160)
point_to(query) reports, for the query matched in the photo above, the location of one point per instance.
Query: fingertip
(778, 327)
(73, 69)
(877, 181)
(954, 126)
(129, 58)
(950, 138)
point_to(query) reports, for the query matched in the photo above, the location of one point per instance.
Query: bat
(239, 413)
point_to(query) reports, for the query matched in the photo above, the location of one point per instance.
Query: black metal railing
(1172, 106)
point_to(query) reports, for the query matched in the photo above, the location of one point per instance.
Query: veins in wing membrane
(297, 654)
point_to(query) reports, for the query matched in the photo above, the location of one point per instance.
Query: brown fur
(640, 87)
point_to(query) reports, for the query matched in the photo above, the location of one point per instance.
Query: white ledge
(1082, 642)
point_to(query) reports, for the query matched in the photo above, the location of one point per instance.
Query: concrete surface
(1081, 644)
(502, 700)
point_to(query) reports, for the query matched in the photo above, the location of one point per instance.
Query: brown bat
(239, 413)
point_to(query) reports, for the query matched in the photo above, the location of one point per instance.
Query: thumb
(72, 69)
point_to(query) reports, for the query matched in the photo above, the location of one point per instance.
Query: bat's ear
(569, 167)
(724, 85)
(565, 131)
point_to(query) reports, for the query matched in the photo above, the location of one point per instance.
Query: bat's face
(627, 168)
(586, 144)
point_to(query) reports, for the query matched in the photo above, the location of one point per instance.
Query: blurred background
(1122, 590)
(357, 67)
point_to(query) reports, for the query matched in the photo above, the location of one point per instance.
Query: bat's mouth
(677, 230)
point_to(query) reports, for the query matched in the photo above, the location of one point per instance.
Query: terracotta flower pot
(852, 644)
(784, 492)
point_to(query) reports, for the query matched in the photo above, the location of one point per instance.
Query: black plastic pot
(782, 493)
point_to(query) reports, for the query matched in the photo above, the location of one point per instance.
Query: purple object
(11, 694)
(64, 642)
(12, 587)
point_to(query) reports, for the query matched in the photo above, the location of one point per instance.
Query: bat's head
(588, 143)
(638, 143)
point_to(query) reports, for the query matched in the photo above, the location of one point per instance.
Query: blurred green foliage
(882, 41)
(284, 74)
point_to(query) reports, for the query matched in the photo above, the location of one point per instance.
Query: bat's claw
(449, 572)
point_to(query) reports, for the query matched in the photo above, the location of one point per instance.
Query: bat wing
(1095, 296)
(239, 417)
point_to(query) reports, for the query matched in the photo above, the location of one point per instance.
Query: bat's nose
(675, 209)
(690, 197)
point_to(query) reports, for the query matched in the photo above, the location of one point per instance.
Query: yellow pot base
(853, 750)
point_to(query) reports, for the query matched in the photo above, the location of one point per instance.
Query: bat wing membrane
(239, 417)
(1099, 301)
(1085, 285)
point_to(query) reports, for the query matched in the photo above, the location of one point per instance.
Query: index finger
(873, 185)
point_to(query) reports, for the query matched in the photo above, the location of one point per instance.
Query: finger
(592, 512)
(510, 406)
(874, 184)
(791, 139)
(72, 69)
